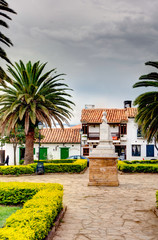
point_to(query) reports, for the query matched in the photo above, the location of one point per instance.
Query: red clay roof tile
(113, 115)
(58, 135)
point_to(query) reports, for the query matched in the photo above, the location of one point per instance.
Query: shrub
(66, 165)
(76, 166)
(35, 219)
(14, 193)
(56, 161)
(16, 170)
(127, 166)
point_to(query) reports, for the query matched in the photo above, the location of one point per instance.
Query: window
(85, 129)
(123, 129)
(85, 151)
(150, 150)
(136, 150)
(139, 132)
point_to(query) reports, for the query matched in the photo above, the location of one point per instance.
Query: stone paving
(105, 213)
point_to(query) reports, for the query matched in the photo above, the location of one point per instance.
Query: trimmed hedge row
(77, 166)
(142, 161)
(35, 219)
(17, 170)
(140, 168)
(56, 161)
(71, 167)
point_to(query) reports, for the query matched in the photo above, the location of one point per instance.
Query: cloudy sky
(100, 45)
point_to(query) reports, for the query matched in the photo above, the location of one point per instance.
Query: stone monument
(102, 160)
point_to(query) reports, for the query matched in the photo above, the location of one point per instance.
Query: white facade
(129, 144)
(53, 150)
(134, 140)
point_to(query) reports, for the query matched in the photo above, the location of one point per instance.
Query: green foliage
(138, 166)
(16, 170)
(5, 40)
(147, 102)
(56, 161)
(3, 9)
(64, 165)
(34, 97)
(35, 220)
(77, 166)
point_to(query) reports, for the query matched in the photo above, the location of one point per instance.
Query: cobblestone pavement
(105, 213)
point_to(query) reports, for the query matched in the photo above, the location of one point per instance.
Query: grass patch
(5, 212)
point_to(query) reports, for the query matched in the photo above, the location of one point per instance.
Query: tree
(33, 98)
(5, 40)
(147, 103)
(17, 137)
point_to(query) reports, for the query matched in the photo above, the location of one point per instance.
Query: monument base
(103, 171)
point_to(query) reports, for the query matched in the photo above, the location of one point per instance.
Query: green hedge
(59, 166)
(77, 166)
(142, 161)
(125, 166)
(16, 170)
(35, 219)
(56, 161)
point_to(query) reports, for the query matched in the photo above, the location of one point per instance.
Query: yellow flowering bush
(64, 165)
(36, 218)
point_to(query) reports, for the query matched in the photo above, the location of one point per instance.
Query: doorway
(64, 153)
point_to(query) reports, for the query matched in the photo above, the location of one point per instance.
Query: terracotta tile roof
(131, 112)
(58, 135)
(113, 115)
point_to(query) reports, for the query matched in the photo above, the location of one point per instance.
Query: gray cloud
(100, 45)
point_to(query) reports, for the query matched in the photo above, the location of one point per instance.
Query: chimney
(127, 104)
(89, 106)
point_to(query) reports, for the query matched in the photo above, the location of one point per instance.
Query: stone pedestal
(102, 160)
(103, 171)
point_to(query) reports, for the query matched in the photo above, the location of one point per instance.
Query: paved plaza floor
(105, 213)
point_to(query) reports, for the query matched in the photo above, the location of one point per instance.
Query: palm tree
(33, 98)
(5, 40)
(4, 8)
(147, 102)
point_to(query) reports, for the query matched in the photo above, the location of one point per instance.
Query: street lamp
(81, 132)
(40, 166)
(40, 127)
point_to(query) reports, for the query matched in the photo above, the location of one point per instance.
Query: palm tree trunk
(29, 144)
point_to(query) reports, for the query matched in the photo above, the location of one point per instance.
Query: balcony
(123, 138)
(115, 136)
(93, 136)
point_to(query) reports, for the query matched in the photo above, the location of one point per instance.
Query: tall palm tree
(3, 9)
(147, 103)
(33, 97)
(5, 40)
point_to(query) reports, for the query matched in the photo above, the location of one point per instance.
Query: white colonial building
(56, 144)
(126, 135)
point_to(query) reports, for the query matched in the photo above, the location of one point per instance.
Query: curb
(60, 216)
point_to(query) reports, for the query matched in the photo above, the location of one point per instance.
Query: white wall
(10, 152)
(133, 140)
(53, 150)
(94, 128)
(130, 139)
